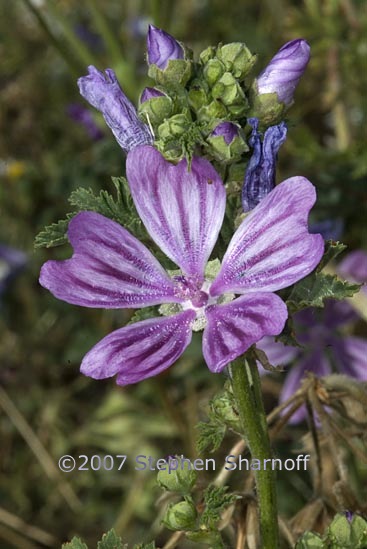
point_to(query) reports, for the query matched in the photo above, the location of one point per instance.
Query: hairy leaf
(315, 288)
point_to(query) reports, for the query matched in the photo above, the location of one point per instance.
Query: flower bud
(284, 71)
(181, 516)
(237, 59)
(178, 477)
(226, 143)
(174, 127)
(223, 408)
(104, 93)
(228, 90)
(155, 106)
(150, 93)
(162, 47)
(260, 173)
(213, 70)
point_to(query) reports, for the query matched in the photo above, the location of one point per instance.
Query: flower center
(191, 290)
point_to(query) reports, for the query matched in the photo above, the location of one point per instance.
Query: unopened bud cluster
(212, 106)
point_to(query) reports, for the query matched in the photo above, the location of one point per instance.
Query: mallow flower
(183, 209)
(103, 92)
(325, 348)
(162, 47)
(284, 71)
(260, 172)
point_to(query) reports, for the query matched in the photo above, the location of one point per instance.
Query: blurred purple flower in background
(260, 171)
(92, 39)
(12, 261)
(183, 212)
(331, 229)
(103, 92)
(354, 268)
(228, 130)
(284, 71)
(325, 348)
(162, 47)
(82, 115)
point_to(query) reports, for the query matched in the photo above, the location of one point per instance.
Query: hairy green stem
(247, 392)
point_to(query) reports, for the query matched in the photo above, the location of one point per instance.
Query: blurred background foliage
(47, 408)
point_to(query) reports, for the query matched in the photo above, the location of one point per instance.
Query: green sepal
(175, 127)
(197, 97)
(176, 74)
(237, 59)
(266, 107)
(213, 70)
(207, 54)
(309, 540)
(228, 90)
(222, 152)
(212, 113)
(155, 110)
(181, 480)
(181, 516)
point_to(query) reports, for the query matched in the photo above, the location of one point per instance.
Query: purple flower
(183, 212)
(330, 229)
(150, 93)
(104, 93)
(228, 130)
(260, 172)
(81, 115)
(162, 47)
(12, 261)
(354, 268)
(284, 71)
(325, 348)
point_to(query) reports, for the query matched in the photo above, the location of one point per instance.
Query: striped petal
(233, 327)
(110, 268)
(181, 207)
(140, 350)
(272, 247)
(350, 355)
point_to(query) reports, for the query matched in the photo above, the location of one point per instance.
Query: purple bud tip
(227, 129)
(103, 91)
(284, 71)
(150, 93)
(162, 47)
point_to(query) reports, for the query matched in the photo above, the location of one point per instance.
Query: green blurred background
(47, 409)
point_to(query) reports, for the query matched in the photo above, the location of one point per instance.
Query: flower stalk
(247, 392)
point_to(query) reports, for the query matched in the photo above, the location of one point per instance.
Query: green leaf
(111, 540)
(210, 435)
(143, 314)
(315, 288)
(332, 250)
(287, 336)
(309, 540)
(53, 235)
(216, 501)
(75, 543)
(150, 545)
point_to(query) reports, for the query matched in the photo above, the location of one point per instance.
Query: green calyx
(181, 516)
